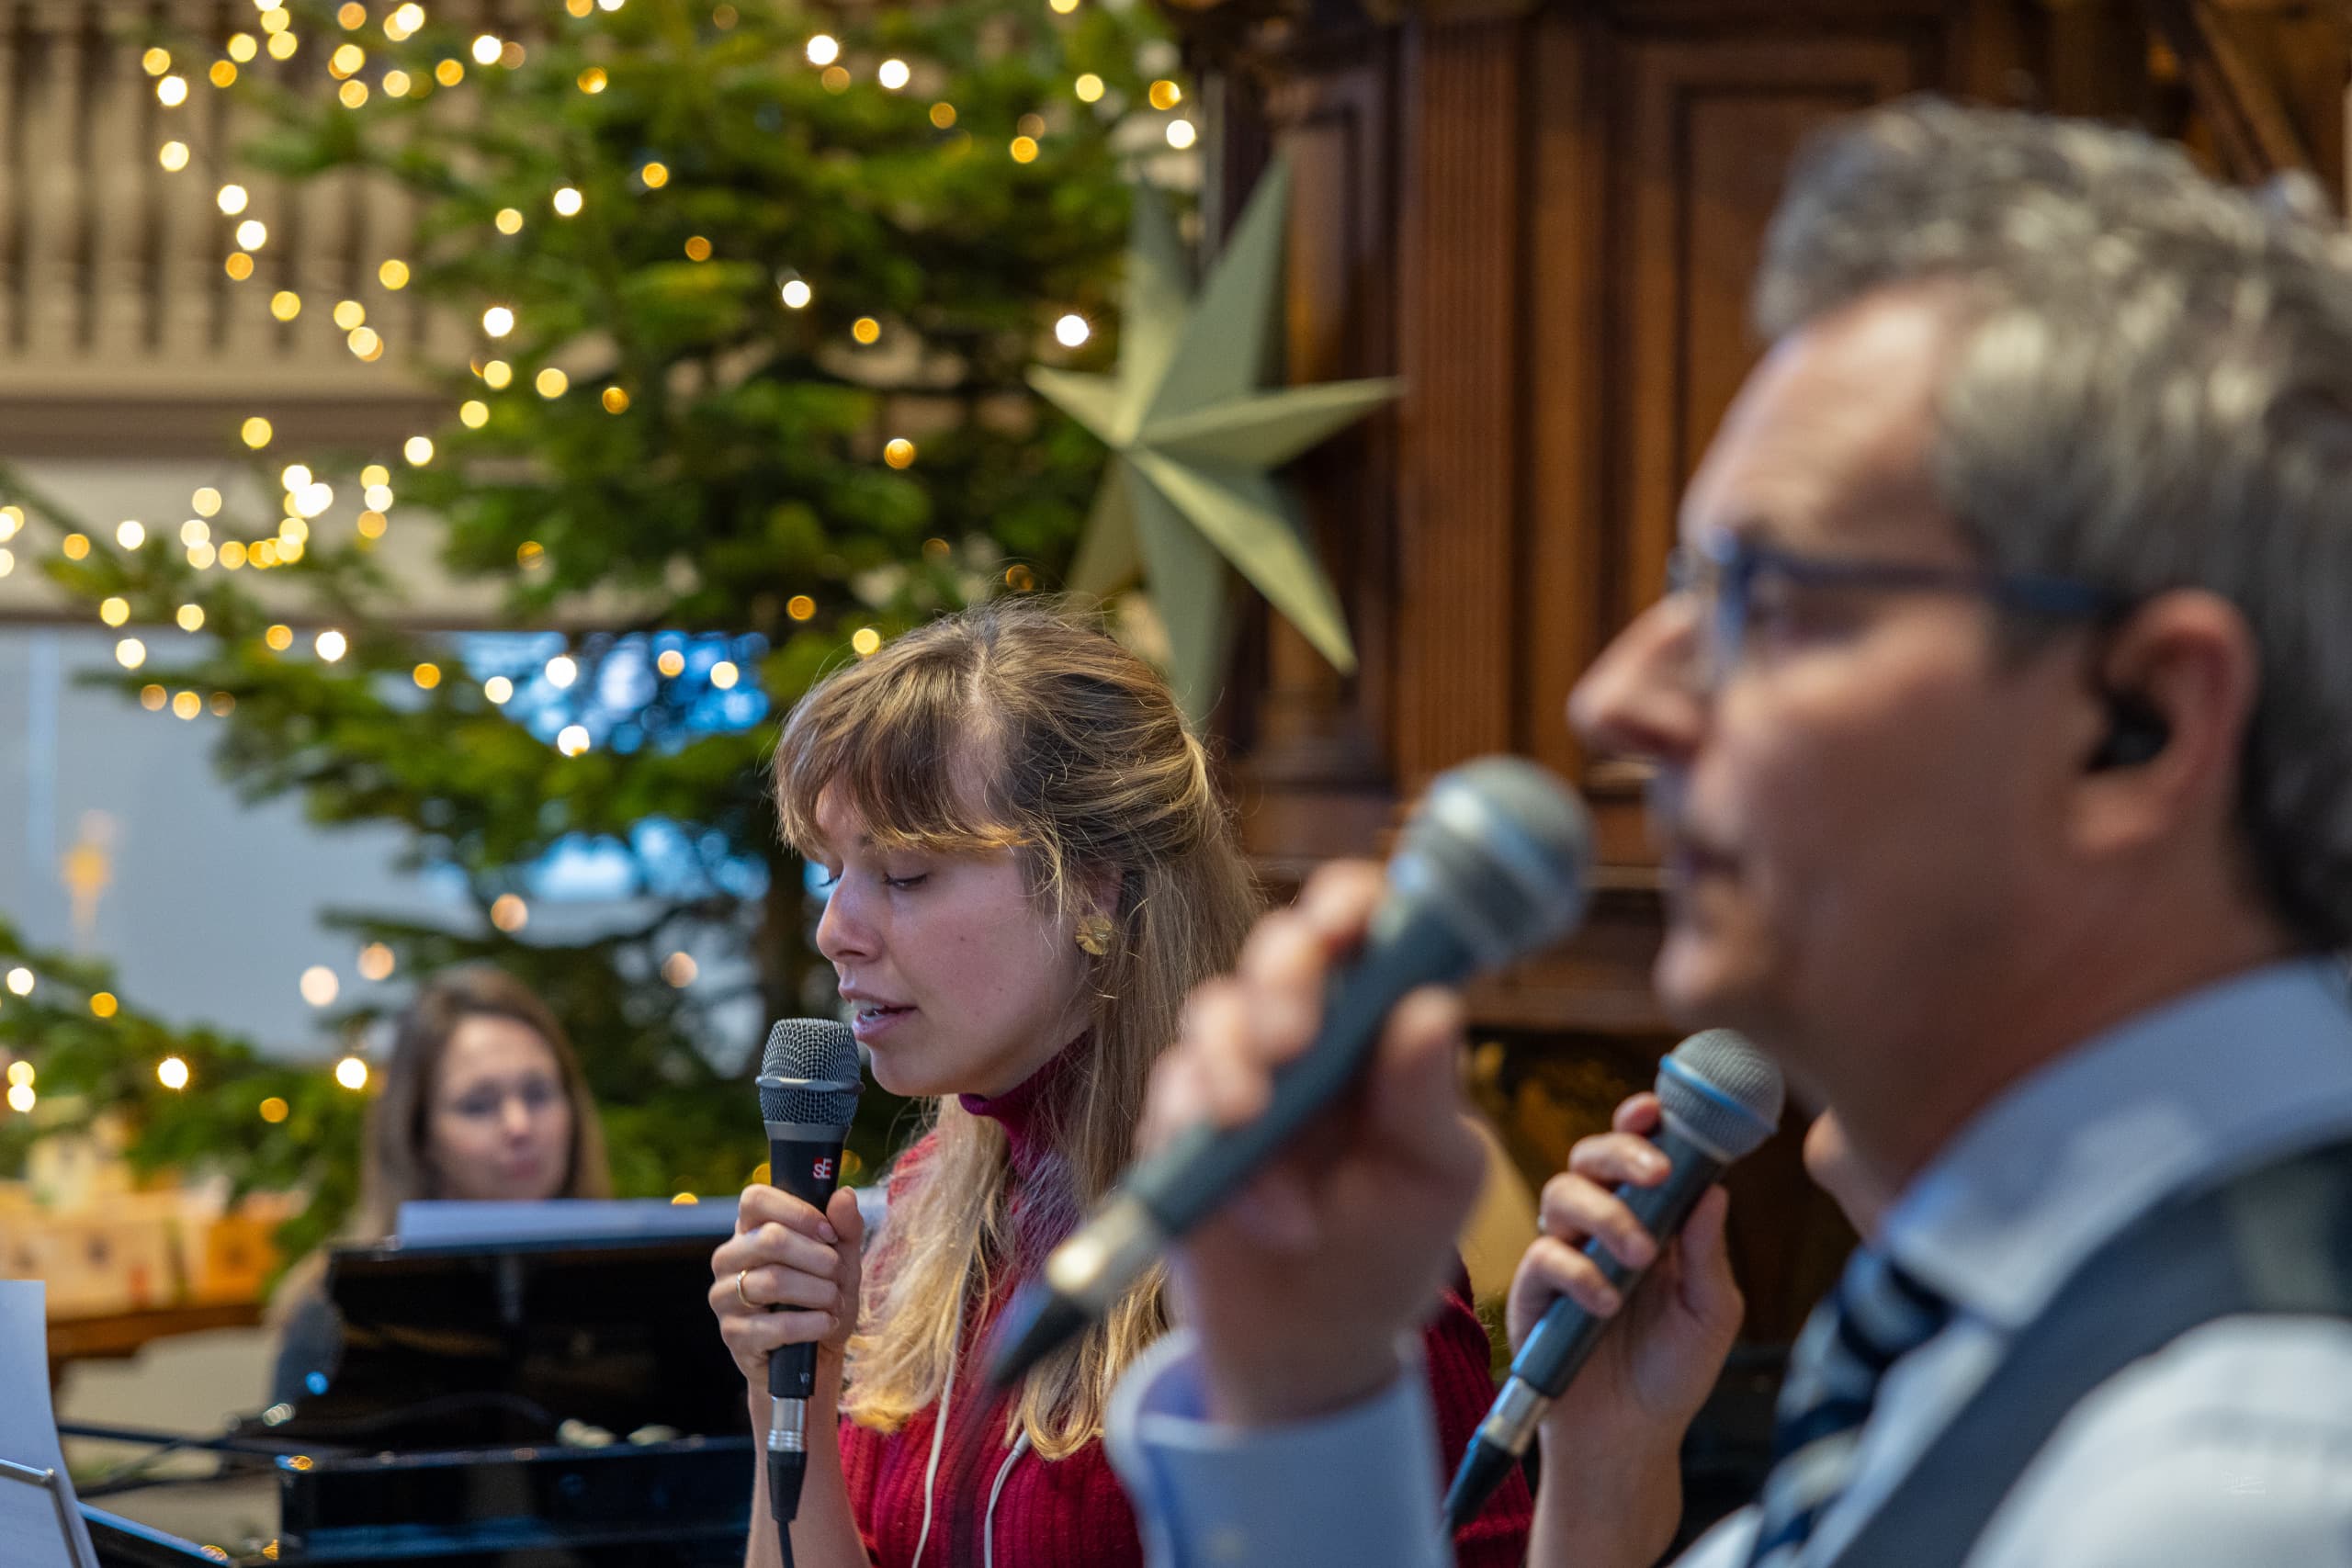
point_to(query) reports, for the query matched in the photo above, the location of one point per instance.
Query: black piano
(502, 1406)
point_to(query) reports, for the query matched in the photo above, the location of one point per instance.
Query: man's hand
(1610, 1490)
(1656, 1368)
(1302, 1286)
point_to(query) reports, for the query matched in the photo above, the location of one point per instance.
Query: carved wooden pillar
(1311, 747)
(54, 119)
(1460, 475)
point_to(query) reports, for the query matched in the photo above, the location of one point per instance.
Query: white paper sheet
(30, 1536)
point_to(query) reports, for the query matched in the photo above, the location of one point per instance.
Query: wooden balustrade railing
(121, 329)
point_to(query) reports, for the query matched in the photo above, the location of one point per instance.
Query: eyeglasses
(489, 1101)
(1725, 571)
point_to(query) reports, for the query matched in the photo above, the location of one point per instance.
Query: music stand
(29, 1433)
(47, 1480)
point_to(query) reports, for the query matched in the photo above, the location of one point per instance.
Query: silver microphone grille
(808, 1073)
(1725, 1092)
(1504, 847)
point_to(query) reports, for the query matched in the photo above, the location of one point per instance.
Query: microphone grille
(1726, 1093)
(1505, 847)
(809, 1074)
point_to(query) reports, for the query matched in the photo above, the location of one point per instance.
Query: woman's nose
(842, 935)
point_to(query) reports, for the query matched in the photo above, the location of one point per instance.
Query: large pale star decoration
(1194, 437)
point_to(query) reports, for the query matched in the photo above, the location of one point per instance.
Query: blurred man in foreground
(2001, 714)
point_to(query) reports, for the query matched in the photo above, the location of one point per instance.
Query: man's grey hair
(2153, 391)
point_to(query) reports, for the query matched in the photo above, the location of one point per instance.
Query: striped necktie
(1878, 1314)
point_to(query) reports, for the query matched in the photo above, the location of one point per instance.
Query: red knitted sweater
(1072, 1512)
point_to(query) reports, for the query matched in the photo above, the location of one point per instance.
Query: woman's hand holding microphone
(789, 1276)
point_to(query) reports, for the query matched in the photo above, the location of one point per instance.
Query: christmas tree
(731, 306)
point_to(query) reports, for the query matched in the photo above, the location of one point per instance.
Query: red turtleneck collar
(1031, 1110)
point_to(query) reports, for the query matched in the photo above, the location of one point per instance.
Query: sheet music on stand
(40, 1526)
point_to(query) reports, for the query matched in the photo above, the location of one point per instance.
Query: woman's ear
(1103, 885)
(1097, 924)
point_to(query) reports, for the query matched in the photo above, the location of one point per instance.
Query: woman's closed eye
(829, 878)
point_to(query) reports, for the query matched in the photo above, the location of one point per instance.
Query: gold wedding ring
(749, 1304)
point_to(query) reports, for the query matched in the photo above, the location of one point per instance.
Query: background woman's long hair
(1020, 725)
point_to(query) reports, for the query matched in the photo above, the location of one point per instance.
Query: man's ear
(2179, 680)
(2136, 734)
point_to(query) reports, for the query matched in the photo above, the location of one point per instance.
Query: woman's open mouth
(872, 1019)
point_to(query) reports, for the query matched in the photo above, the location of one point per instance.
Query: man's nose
(1642, 697)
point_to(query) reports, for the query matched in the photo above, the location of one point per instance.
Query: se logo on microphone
(823, 1167)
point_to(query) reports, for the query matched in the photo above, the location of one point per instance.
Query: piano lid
(519, 1404)
(504, 1342)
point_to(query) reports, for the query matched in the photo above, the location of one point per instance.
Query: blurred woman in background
(482, 1099)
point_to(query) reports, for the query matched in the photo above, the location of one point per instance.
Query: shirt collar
(2255, 1066)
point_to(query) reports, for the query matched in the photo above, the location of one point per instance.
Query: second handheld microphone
(809, 1085)
(1722, 1097)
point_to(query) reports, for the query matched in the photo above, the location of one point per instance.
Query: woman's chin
(531, 1187)
(890, 1072)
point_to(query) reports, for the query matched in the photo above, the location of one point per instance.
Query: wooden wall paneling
(2240, 102)
(1710, 128)
(1760, 19)
(1570, 503)
(1336, 129)
(1696, 135)
(1314, 774)
(1459, 584)
(1987, 43)
(2092, 61)
(2306, 49)
(1599, 981)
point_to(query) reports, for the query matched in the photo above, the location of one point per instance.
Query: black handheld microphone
(1722, 1097)
(1490, 865)
(809, 1083)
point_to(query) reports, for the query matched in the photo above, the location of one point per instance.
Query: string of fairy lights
(488, 51)
(319, 987)
(306, 498)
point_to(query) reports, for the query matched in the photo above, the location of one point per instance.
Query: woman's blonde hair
(1020, 724)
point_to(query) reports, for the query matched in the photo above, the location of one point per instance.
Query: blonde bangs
(892, 740)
